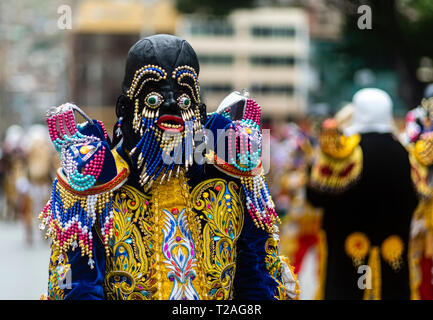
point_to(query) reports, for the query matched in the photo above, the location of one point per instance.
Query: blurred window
(266, 89)
(212, 28)
(273, 32)
(215, 59)
(272, 60)
(215, 88)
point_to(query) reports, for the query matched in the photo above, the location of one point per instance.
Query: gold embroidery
(423, 152)
(273, 266)
(420, 175)
(417, 246)
(188, 73)
(221, 210)
(357, 246)
(336, 175)
(58, 269)
(173, 279)
(340, 162)
(137, 267)
(128, 271)
(338, 146)
(392, 251)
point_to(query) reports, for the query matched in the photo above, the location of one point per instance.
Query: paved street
(23, 269)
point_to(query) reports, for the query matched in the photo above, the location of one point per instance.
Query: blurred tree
(398, 40)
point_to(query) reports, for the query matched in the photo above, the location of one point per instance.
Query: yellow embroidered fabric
(170, 244)
(274, 265)
(174, 245)
(177, 257)
(338, 146)
(128, 270)
(392, 251)
(419, 173)
(221, 212)
(420, 244)
(416, 250)
(58, 269)
(339, 165)
(357, 246)
(423, 152)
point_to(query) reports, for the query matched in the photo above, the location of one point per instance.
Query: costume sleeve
(261, 273)
(79, 216)
(419, 247)
(79, 244)
(71, 278)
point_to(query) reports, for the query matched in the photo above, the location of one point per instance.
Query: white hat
(373, 112)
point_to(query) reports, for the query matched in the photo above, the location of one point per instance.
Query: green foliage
(399, 38)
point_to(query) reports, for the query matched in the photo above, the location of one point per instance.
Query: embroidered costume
(418, 129)
(160, 212)
(362, 181)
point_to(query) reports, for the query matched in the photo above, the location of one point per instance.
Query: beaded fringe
(259, 202)
(244, 150)
(70, 218)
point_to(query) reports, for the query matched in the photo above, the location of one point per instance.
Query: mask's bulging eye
(153, 100)
(184, 101)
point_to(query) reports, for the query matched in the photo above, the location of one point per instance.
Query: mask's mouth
(170, 123)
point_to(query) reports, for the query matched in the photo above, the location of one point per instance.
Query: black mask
(160, 97)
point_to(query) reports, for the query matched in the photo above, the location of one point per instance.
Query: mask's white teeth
(171, 126)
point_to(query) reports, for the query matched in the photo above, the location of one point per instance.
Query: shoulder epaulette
(70, 215)
(244, 151)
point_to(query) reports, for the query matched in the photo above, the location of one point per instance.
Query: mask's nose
(169, 106)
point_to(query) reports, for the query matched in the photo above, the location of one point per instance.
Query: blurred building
(32, 61)
(102, 33)
(325, 21)
(264, 50)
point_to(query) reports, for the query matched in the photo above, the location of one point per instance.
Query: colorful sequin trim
(70, 218)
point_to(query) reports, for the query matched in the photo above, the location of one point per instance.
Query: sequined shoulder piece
(70, 215)
(244, 152)
(120, 178)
